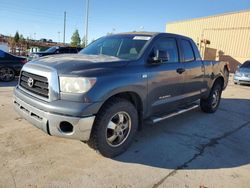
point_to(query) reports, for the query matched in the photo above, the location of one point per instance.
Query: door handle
(180, 70)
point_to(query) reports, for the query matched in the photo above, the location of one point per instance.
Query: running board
(181, 111)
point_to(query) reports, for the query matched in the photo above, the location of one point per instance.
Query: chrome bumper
(242, 79)
(50, 123)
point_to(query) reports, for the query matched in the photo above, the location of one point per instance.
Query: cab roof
(153, 34)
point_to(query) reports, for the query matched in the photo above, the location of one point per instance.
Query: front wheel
(7, 74)
(114, 128)
(211, 104)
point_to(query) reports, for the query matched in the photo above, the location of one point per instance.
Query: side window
(2, 54)
(187, 50)
(64, 50)
(168, 45)
(73, 50)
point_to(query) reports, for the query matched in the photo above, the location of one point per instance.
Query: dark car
(103, 94)
(55, 50)
(10, 66)
(242, 75)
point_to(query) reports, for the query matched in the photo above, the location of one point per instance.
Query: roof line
(205, 17)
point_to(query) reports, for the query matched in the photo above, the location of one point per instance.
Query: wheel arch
(132, 97)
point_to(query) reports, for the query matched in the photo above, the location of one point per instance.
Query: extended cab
(103, 94)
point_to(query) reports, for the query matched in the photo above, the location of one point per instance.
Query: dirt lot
(191, 150)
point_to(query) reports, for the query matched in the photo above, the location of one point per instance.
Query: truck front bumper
(51, 123)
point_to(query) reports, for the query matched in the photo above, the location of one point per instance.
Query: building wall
(229, 35)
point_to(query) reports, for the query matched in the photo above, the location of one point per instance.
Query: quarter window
(187, 51)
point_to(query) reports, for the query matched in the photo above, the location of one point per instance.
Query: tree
(75, 39)
(110, 33)
(16, 37)
(83, 45)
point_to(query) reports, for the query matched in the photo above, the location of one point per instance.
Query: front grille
(40, 84)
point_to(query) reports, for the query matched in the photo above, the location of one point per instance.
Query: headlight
(76, 85)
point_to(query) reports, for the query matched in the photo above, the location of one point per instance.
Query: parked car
(43, 40)
(103, 94)
(55, 50)
(242, 75)
(10, 66)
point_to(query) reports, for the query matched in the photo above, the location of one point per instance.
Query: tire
(211, 104)
(226, 73)
(7, 74)
(114, 128)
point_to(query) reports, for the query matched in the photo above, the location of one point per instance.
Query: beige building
(223, 37)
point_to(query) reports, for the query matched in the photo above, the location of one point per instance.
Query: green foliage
(16, 37)
(75, 39)
(110, 33)
(83, 45)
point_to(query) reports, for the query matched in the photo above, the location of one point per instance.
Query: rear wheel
(211, 104)
(7, 74)
(114, 128)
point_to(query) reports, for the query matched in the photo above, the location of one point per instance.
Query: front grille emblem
(30, 82)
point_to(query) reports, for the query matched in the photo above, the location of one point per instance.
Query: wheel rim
(215, 98)
(118, 129)
(6, 74)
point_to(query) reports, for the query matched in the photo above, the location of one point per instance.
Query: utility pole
(86, 22)
(64, 28)
(59, 38)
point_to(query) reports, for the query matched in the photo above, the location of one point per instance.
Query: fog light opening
(66, 127)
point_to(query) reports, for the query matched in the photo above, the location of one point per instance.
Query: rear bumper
(50, 122)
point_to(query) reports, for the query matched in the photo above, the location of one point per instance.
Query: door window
(64, 50)
(169, 46)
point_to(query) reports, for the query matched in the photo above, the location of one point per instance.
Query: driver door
(165, 79)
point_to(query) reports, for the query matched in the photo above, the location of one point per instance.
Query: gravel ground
(192, 150)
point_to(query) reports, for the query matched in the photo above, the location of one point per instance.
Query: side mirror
(160, 56)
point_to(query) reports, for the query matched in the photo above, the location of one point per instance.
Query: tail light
(24, 61)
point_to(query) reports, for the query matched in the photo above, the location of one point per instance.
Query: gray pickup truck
(104, 94)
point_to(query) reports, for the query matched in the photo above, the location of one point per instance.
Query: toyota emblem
(30, 82)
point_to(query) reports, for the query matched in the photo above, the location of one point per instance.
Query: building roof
(206, 17)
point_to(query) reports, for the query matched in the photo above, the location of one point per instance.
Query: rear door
(193, 83)
(165, 84)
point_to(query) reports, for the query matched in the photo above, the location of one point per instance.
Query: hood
(41, 53)
(79, 63)
(244, 70)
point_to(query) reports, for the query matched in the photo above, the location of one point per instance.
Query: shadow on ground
(9, 84)
(196, 140)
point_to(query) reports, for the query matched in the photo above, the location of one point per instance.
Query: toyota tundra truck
(105, 94)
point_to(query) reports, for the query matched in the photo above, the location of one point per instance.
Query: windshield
(52, 49)
(246, 65)
(121, 46)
